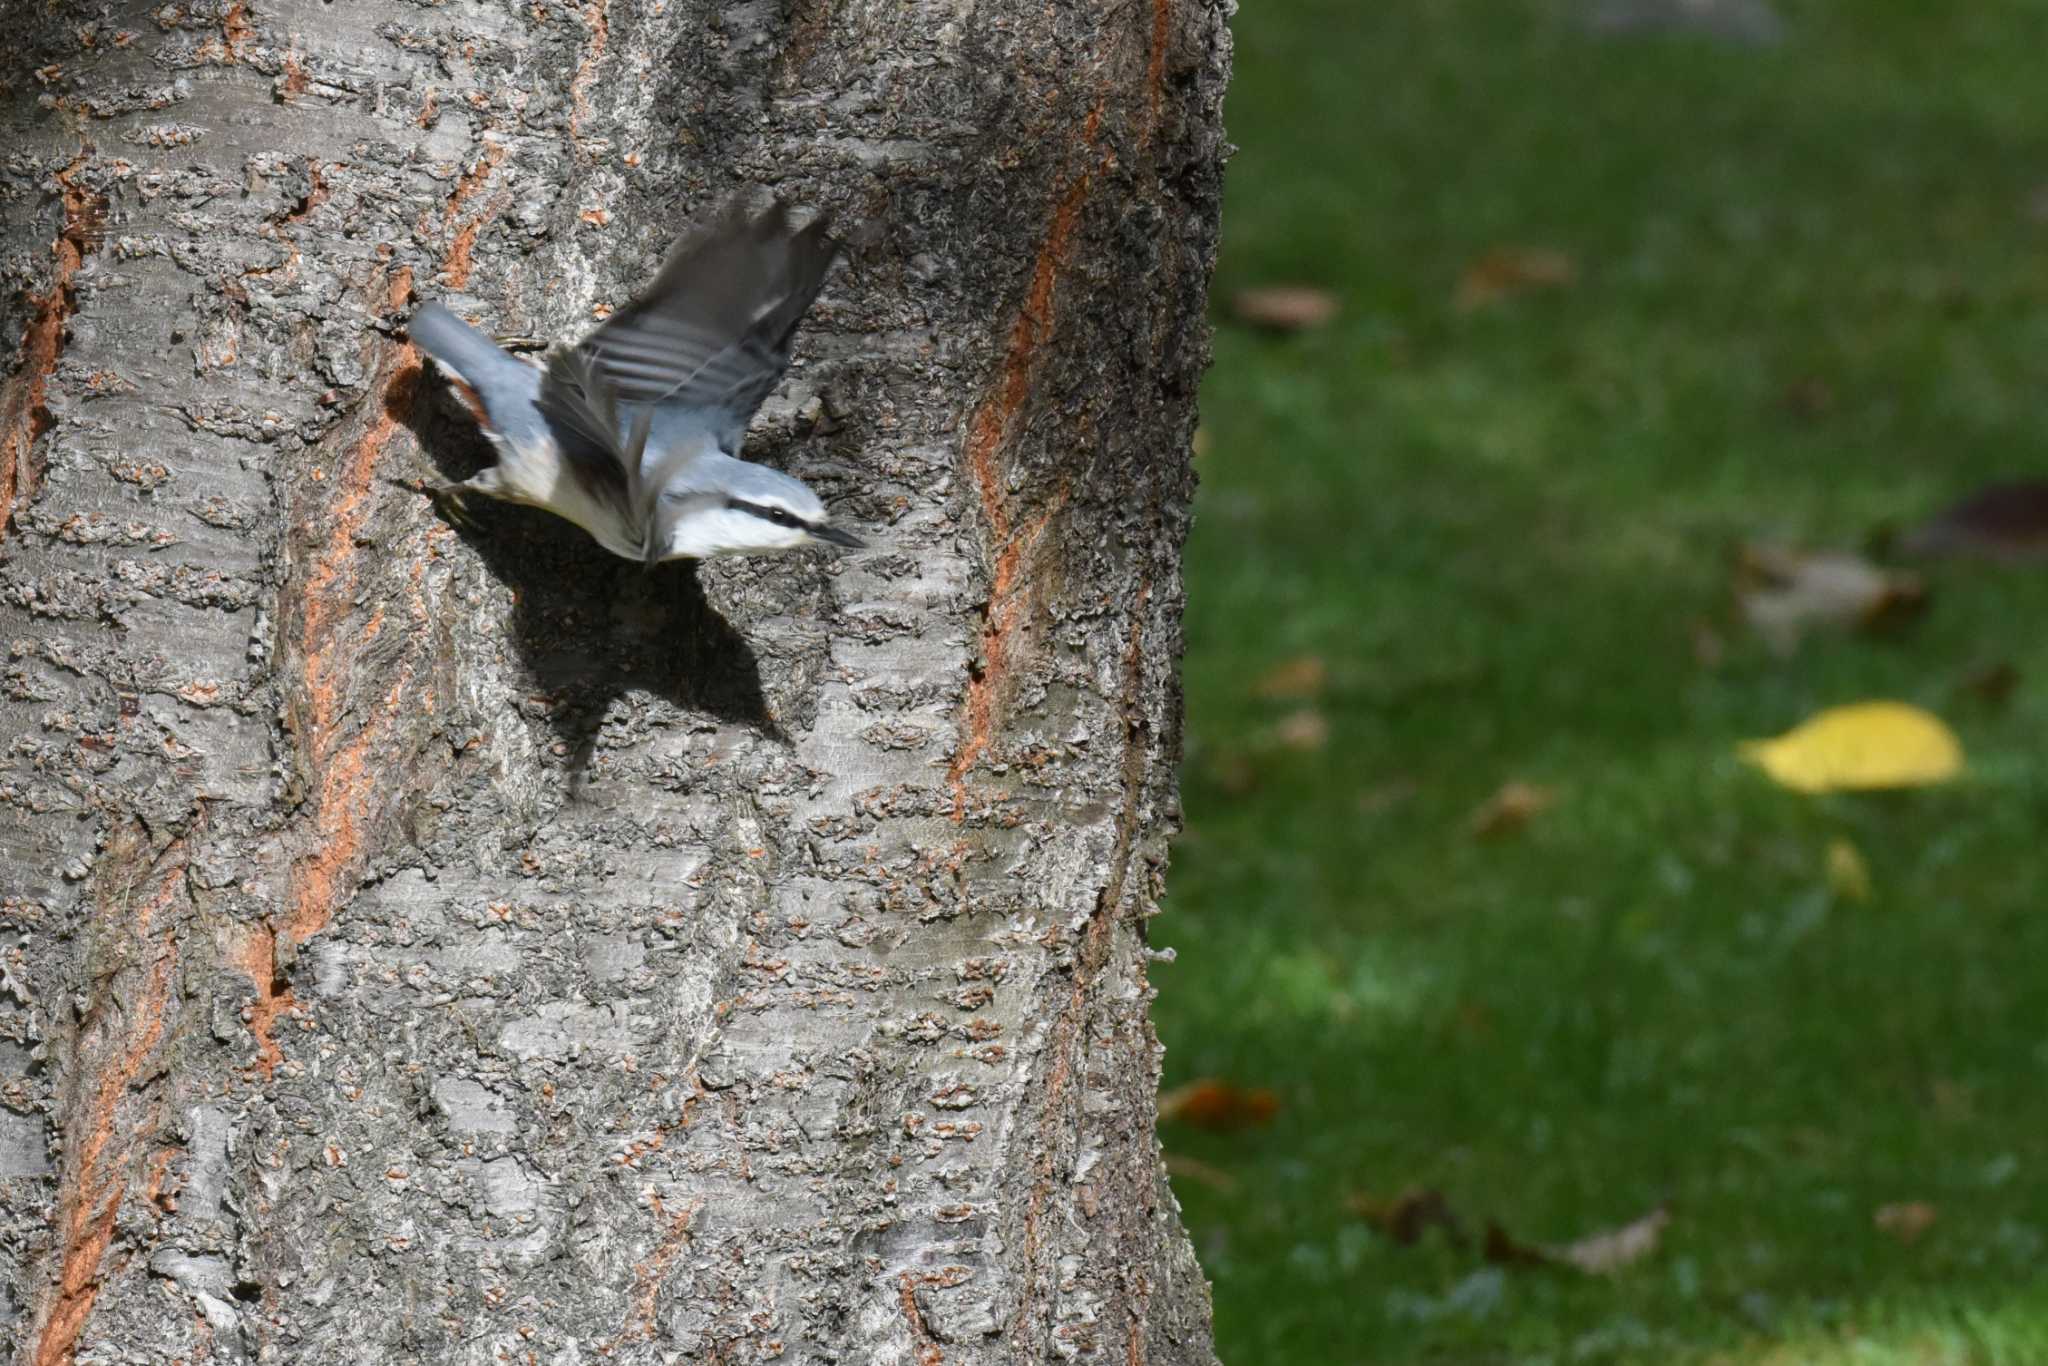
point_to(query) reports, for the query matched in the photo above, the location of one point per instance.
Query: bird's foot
(452, 501)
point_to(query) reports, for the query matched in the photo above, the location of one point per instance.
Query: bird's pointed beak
(825, 531)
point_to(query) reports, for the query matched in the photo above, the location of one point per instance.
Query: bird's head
(748, 510)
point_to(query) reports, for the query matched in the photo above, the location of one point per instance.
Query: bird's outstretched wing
(711, 335)
(582, 408)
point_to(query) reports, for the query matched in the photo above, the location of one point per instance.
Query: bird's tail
(456, 346)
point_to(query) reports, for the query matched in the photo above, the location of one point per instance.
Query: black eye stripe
(778, 516)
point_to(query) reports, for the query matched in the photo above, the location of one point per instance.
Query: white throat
(716, 531)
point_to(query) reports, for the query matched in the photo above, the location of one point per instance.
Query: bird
(634, 433)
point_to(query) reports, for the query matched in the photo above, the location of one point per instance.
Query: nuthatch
(634, 433)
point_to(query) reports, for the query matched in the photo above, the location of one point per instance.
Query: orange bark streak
(1011, 594)
(462, 245)
(595, 18)
(344, 782)
(236, 29)
(23, 416)
(90, 1193)
(1155, 67)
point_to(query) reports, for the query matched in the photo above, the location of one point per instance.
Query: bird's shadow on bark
(588, 625)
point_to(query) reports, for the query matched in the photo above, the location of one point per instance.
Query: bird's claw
(452, 500)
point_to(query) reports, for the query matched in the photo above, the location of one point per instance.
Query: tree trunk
(422, 945)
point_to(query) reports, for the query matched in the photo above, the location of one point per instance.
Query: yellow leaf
(1864, 745)
(1848, 874)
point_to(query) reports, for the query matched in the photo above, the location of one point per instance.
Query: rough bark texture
(435, 946)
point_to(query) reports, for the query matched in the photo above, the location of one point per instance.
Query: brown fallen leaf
(1194, 1169)
(1599, 1254)
(1387, 795)
(1784, 592)
(1305, 730)
(1507, 271)
(2006, 522)
(1211, 1103)
(1284, 308)
(1992, 684)
(1905, 1221)
(1807, 398)
(1299, 679)
(1409, 1215)
(1603, 1254)
(1952, 1100)
(1234, 772)
(1473, 1020)
(1708, 649)
(1511, 809)
(1502, 1250)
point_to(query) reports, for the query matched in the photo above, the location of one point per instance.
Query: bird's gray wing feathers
(712, 333)
(582, 411)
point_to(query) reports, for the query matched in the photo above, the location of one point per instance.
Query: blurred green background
(1612, 305)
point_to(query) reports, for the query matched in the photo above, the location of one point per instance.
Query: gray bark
(422, 945)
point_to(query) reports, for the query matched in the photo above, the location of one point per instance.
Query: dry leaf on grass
(1511, 809)
(1387, 795)
(2006, 522)
(1234, 772)
(1848, 874)
(1601, 1254)
(1807, 397)
(1211, 1103)
(1503, 1250)
(1784, 592)
(1194, 1169)
(1953, 1101)
(1905, 1221)
(1305, 730)
(1507, 271)
(1409, 1215)
(1863, 746)
(1284, 308)
(1708, 649)
(1991, 685)
(1293, 680)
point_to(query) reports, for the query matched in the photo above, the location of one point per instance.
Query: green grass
(1499, 528)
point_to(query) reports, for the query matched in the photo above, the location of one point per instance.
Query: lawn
(1807, 297)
